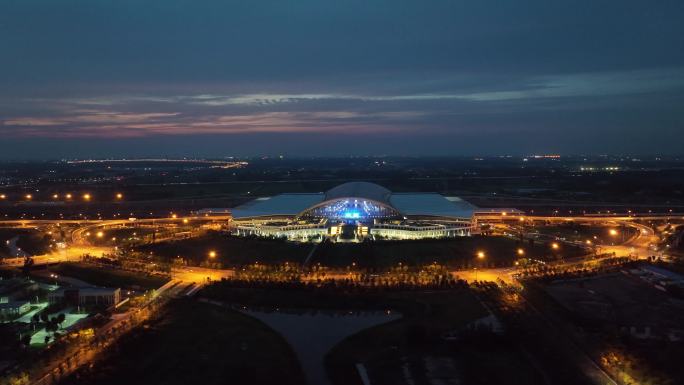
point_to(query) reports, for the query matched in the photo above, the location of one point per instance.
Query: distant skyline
(321, 77)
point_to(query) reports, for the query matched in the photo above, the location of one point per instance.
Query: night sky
(97, 78)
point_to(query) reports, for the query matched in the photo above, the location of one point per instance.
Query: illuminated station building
(355, 211)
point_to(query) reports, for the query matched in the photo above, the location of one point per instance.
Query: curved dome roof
(366, 190)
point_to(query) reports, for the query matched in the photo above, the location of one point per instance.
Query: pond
(312, 334)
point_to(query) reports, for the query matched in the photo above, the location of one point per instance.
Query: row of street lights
(67, 196)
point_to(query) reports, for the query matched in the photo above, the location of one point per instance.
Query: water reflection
(313, 333)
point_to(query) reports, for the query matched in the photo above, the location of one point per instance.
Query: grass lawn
(418, 332)
(455, 253)
(196, 343)
(412, 340)
(230, 250)
(102, 276)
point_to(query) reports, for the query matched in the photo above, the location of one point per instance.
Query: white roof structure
(431, 204)
(283, 204)
(408, 204)
(365, 190)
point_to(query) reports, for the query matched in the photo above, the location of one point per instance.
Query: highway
(639, 245)
(187, 280)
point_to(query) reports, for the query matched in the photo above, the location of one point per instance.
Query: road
(189, 279)
(639, 245)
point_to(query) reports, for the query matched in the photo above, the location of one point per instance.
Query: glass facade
(351, 210)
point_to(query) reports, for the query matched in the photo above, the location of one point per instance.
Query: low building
(16, 288)
(86, 296)
(12, 309)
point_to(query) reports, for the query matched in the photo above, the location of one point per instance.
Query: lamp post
(480, 256)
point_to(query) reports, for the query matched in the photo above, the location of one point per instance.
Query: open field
(103, 276)
(626, 324)
(29, 240)
(230, 250)
(196, 343)
(410, 349)
(412, 343)
(454, 253)
(617, 300)
(581, 232)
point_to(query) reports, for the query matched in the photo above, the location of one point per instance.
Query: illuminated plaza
(353, 212)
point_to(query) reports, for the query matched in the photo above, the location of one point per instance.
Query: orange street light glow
(521, 252)
(212, 254)
(555, 246)
(480, 254)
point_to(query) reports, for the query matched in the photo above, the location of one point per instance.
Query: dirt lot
(620, 300)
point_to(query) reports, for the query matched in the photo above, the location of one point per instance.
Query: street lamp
(521, 252)
(212, 254)
(86, 197)
(480, 255)
(613, 232)
(555, 246)
(119, 196)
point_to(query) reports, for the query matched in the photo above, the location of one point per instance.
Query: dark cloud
(383, 76)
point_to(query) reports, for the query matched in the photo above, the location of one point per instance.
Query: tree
(61, 318)
(26, 339)
(28, 263)
(52, 326)
(47, 339)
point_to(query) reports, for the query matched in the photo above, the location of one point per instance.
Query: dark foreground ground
(196, 343)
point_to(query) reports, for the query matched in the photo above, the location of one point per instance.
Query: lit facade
(352, 212)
